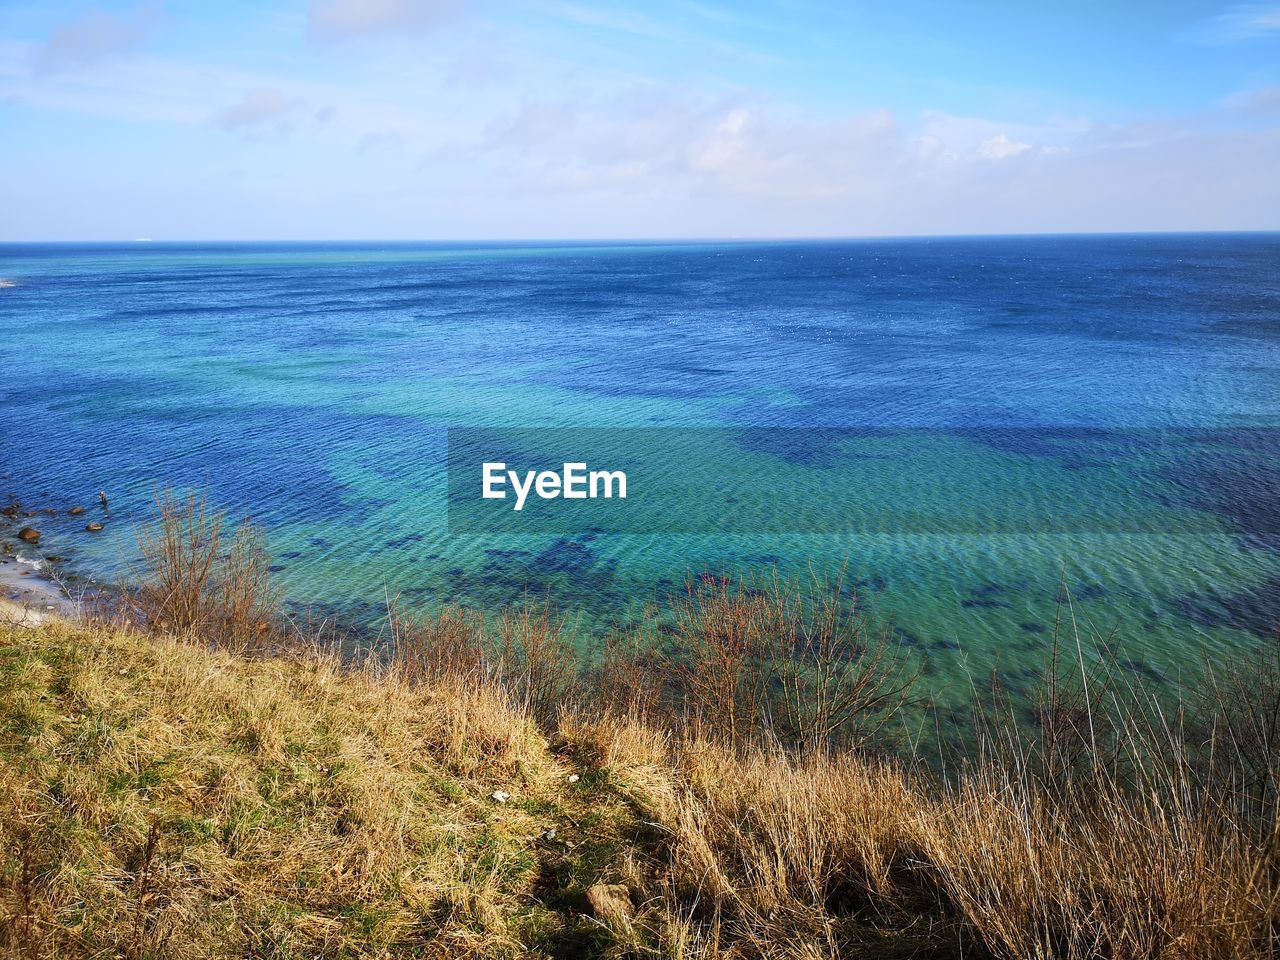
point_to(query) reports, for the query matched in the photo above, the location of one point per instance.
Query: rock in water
(611, 904)
(29, 534)
(93, 527)
(76, 511)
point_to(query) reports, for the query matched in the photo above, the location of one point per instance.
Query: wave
(7, 283)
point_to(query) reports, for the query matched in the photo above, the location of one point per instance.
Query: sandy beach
(28, 594)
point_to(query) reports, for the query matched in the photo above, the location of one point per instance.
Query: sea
(995, 441)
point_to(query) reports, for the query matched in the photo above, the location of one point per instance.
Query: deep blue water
(312, 385)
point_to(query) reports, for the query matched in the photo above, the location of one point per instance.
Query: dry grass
(164, 794)
(768, 855)
(161, 798)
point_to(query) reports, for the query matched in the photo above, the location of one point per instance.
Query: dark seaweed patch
(1234, 474)
(1256, 610)
(565, 556)
(817, 447)
(907, 638)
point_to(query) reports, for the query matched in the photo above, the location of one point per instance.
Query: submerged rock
(29, 534)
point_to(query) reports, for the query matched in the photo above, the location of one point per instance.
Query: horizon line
(762, 238)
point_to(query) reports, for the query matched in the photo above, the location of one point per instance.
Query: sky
(558, 119)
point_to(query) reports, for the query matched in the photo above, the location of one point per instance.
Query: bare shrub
(198, 579)
(835, 679)
(720, 673)
(799, 663)
(536, 658)
(628, 680)
(447, 644)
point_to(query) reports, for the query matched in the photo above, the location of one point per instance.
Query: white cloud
(93, 36)
(418, 149)
(724, 143)
(974, 136)
(650, 142)
(654, 141)
(1000, 146)
(664, 162)
(337, 19)
(258, 109)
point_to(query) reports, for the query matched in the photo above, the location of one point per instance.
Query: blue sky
(440, 119)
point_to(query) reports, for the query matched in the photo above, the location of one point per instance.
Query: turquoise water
(968, 424)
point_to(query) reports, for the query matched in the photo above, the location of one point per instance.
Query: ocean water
(966, 425)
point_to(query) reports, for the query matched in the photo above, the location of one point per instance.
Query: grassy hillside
(159, 798)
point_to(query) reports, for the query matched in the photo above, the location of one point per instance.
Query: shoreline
(28, 596)
(34, 584)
